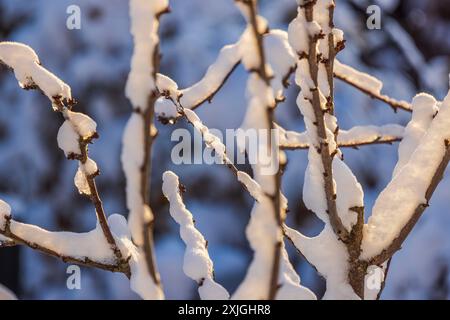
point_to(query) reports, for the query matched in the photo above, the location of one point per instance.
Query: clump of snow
(91, 245)
(280, 57)
(398, 201)
(330, 257)
(364, 80)
(68, 139)
(197, 263)
(349, 193)
(216, 74)
(75, 128)
(140, 281)
(85, 170)
(361, 134)
(132, 158)
(211, 140)
(166, 109)
(144, 28)
(81, 182)
(298, 28)
(83, 125)
(167, 86)
(424, 108)
(29, 72)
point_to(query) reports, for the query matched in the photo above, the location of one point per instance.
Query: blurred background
(410, 53)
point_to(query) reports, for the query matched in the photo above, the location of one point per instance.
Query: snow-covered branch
(88, 249)
(139, 134)
(423, 156)
(77, 131)
(262, 276)
(197, 264)
(353, 138)
(367, 84)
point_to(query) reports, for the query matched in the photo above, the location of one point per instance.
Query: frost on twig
(197, 264)
(142, 91)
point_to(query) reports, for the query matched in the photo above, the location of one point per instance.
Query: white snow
(77, 126)
(216, 74)
(363, 80)
(81, 182)
(132, 158)
(28, 71)
(166, 109)
(349, 193)
(140, 281)
(280, 57)
(363, 134)
(329, 256)
(92, 245)
(89, 168)
(325, 251)
(167, 86)
(397, 202)
(248, 44)
(424, 108)
(144, 28)
(210, 139)
(68, 139)
(298, 28)
(83, 125)
(197, 263)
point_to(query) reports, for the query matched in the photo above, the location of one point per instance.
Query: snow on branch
(140, 132)
(266, 276)
(330, 190)
(367, 84)
(424, 155)
(353, 138)
(30, 74)
(90, 249)
(77, 131)
(279, 55)
(197, 264)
